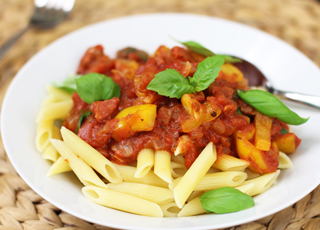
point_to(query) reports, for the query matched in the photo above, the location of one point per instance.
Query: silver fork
(47, 14)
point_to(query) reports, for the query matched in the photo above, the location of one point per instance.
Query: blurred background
(296, 22)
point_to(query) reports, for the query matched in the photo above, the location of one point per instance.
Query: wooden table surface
(297, 22)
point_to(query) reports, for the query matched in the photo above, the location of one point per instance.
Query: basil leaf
(170, 83)
(207, 71)
(270, 105)
(69, 84)
(283, 131)
(239, 111)
(226, 200)
(198, 48)
(96, 87)
(81, 119)
(229, 59)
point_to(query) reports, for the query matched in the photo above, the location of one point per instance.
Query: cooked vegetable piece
(192, 106)
(261, 161)
(288, 143)
(199, 113)
(134, 119)
(231, 73)
(263, 126)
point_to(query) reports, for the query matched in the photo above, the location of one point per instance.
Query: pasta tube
(284, 161)
(195, 173)
(127, 172)
(145, 162)
(83, 171)
(262, 183)
(192, 208)
(91, 156)
(122, 201)
(162, 167)
(226, 162)
(59, 166)
(221, 179)
(170, 210)
(149, 192)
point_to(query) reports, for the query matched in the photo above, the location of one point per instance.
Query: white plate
(286, 67)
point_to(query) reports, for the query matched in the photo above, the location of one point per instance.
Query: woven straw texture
(295, 21)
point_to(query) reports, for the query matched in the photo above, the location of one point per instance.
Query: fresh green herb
(81, 119)
(197, 48)
(207, 71)
(226, 200)
(229, 59)
(270, 105)
(284, 131)
(172, 84)
(239, 111)
(96, 87)
(200, 49)
(69, 84)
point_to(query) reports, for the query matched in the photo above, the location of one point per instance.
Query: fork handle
(310, 100)
(8, 44)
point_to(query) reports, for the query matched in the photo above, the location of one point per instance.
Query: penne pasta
(91, 156)
(145, 162)
(127, 172)
(284, 161)
(48, 100)
(213, 170)
(220, 179)
(192, 208)
(58, 94)
(226, 162)
(195, 173)
(170, 210)
(122, 201)
(50, 153)
(44, 133)
(245, 188)
(162, 167)
(59, 166)
(251, 174)
(82, 170)
(149, 192)
(177, 169)
(195, 194)
(174, 183)
(262, 183)
(56, 110)
(178, 159)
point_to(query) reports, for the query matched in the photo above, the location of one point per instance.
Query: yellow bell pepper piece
(231, 73)
(287, 143)
(199, 113)
(263, 126)
(135, 119)
(192, 106)
(261, 161)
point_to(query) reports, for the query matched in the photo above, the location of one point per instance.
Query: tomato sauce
(133, 70)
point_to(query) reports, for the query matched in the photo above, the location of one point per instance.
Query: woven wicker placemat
(294, 21)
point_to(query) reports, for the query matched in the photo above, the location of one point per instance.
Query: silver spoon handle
(310, 100)
(8, 44)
